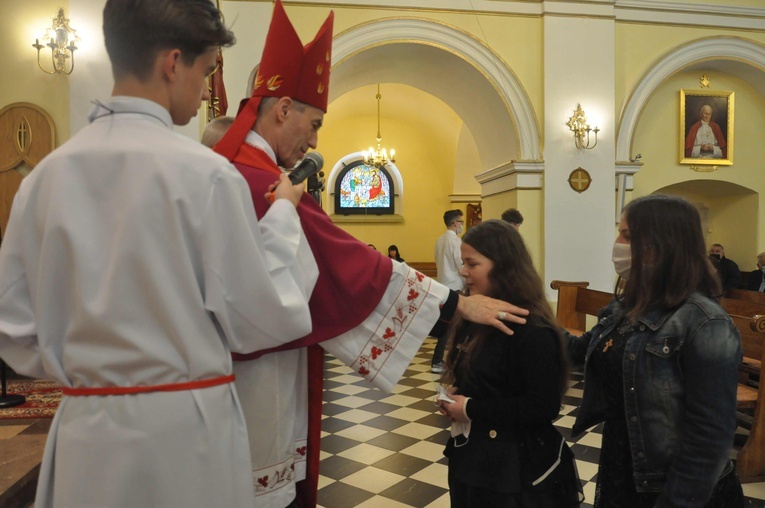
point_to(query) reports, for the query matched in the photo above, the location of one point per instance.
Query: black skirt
(560, 489)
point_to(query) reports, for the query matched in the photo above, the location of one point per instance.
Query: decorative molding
(464, 198)
(690, 14)
(511, 176)
(625, 170)
(710, 48)
(366, 219)
(628, 169)
(471, 50)
(627, 11)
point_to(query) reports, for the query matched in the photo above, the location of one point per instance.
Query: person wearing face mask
(448, 266)
(727, 270)
(662, 368)
(756, 279)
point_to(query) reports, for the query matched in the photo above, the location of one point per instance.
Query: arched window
(364, 189)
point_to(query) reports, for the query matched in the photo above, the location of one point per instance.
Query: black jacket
(515, 394)
(754, 280)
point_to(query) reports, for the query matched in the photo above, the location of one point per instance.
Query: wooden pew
(425, 267)
(743, 294)
(576, 302)
(734, 302)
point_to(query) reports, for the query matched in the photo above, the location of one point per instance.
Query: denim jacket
(680, 380)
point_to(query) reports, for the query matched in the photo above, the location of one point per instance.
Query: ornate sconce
(581, 129)
(61, 40)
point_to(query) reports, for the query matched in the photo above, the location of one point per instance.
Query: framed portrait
(706, 127)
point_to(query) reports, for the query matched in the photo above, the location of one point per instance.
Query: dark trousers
(438, 352)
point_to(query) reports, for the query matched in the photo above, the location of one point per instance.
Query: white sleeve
(383, 345)
(18, 330)
(259, 275)
(456, 253)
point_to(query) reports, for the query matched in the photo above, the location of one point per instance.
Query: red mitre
(287, 69)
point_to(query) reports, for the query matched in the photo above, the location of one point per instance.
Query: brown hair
(669, 257)
(513, 278)
(512, 216)
(136, 30)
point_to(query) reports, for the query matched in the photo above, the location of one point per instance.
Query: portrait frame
(721, 124)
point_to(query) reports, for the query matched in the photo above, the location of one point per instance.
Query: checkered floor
(385, 450)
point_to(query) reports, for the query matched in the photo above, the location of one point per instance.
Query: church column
(579, 64)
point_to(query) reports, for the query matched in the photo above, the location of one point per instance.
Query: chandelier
(380, 157)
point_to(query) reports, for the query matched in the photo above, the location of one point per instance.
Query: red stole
(352, 280)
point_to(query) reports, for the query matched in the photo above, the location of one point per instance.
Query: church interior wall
(578, 225)
(467, 164)
(722, 204)
(750, 3)
(657, 138)
(518, 40)
(531, 204)
(640, 46)
(425, 154)
(22, 80)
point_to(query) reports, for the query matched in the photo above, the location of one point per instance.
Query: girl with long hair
(505, 391)
(661, 368)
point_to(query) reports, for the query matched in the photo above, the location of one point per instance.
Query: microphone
(310, 165)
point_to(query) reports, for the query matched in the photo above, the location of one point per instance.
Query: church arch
(719, 48)
(384, 35)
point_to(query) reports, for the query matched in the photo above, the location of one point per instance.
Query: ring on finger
(501, 315)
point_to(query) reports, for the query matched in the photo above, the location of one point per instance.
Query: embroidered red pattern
(380, 346)
(275, 477)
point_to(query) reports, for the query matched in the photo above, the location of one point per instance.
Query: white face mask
(459, 229)
(622, 258)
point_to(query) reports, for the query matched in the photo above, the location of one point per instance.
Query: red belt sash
(129, 390)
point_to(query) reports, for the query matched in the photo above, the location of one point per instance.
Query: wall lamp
(581, 129)
(61, 39)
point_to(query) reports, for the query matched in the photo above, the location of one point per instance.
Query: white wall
(92, 77)
(579, 227)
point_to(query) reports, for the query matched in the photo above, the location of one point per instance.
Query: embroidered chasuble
(368, 311)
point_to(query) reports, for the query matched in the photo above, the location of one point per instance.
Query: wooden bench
(743, 294)
(576, 302)
(745, 303)
(426, 268)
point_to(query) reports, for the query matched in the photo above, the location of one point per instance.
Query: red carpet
(42, 399)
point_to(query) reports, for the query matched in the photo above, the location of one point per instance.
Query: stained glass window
(363, 189)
